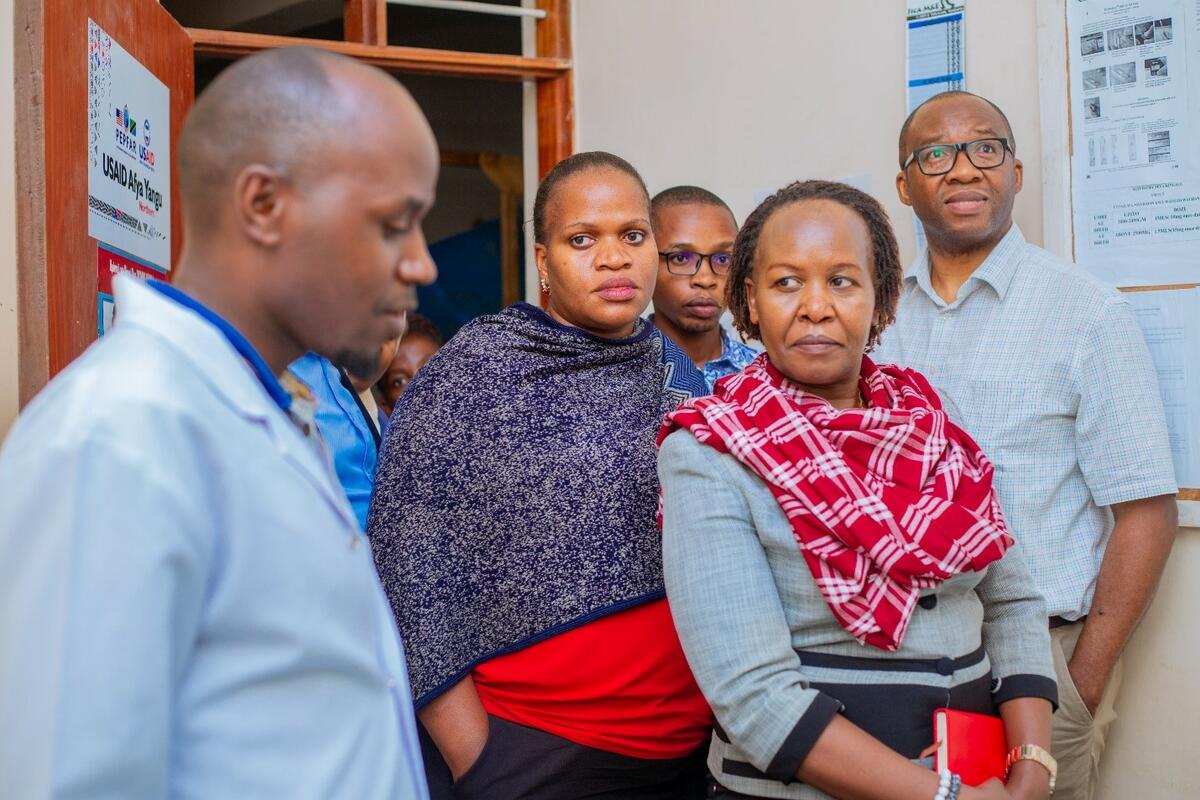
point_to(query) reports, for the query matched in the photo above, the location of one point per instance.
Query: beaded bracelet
(955, 785)
(944, 781)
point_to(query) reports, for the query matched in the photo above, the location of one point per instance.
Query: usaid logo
(145, 154)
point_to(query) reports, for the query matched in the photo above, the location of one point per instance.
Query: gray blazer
(775, 664)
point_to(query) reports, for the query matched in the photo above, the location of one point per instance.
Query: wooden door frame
(33, 346)
(57, 262)
(365, 35)
(365, 26)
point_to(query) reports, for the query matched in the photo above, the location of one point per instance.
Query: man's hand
(1133, 562)
(1090, 685)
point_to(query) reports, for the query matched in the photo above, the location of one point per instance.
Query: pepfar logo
(126, 122)
(127, 136)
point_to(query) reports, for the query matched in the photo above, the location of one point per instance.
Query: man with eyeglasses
(1053, 378)
(695, 232)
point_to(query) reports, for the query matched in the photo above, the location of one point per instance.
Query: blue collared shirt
(188, 607)
(1051, 375)
(344, 428)
(734, 358)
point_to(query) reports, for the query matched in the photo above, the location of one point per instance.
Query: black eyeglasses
(938, 159)
(685, 262)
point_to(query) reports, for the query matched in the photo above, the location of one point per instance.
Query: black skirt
(522, 763)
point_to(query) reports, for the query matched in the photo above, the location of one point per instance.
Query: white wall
(8, 225)
(742, 97)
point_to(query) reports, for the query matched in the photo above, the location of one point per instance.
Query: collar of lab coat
(201, 344)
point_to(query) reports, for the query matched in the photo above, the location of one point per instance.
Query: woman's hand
(1029, 780)
(458, 725)
(992, 790)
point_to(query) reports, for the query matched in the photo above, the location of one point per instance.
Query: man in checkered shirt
(1052, 376)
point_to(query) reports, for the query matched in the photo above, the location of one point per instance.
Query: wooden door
(57, 130)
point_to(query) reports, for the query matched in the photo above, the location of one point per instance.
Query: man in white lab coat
(188, 607)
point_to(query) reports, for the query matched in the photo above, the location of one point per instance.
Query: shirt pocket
(1016, 420)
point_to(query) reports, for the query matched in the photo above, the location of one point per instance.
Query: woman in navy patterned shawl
(514, 521)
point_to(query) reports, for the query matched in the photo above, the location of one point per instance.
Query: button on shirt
(1051, 375)
(188, 608)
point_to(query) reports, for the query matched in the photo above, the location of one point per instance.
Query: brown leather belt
(1057, 621)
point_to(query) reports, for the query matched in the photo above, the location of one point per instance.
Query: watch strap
(1031, 752)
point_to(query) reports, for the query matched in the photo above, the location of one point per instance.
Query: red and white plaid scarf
(884, 501)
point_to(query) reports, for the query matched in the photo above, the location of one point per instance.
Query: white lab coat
(187, 605)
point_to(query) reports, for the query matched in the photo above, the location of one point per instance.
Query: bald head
(305, 178)
(282, 108)
(931, 105)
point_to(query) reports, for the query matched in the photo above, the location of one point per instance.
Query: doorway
(503, 119)
(474, 230)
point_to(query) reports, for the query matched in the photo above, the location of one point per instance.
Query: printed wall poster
(109, 264)
(1135, 102)
(936, 58)
(129, 157)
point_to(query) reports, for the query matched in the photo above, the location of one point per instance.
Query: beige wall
(741, 97)
(8, 226)
(1152, 751)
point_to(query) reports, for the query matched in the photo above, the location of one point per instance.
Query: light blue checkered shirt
(1051, 375)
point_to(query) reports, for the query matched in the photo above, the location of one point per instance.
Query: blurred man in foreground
(188, 607)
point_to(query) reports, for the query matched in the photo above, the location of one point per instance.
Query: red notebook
(972, 745)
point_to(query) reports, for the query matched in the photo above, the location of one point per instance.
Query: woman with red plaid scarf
(836, 561)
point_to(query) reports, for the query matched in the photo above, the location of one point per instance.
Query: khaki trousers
(1077, 739)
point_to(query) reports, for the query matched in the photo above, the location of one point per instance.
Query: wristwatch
(1031, 752)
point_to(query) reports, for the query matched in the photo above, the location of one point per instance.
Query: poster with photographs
(1136, 157)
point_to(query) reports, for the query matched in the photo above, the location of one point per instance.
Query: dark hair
(687, 195)
(885, 254)
(573, 165)
(422, 326)
(1012, 140)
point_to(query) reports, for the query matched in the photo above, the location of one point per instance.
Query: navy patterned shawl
(516, 490)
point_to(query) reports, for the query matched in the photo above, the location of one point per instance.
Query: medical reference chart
(935, 48)
(1136, 153)
(1172, 329)
(935, 57)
